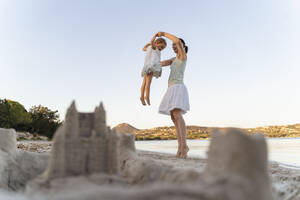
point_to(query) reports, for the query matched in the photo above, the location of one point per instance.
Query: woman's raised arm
(177, 42)
(153, 40)
(151, 43)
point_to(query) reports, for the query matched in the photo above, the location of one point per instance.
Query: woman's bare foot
(184, 152)
(178, 153)
(143, 100)
(148, 100)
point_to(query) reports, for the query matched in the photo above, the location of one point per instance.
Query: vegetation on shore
(39, 120)
(197, 132)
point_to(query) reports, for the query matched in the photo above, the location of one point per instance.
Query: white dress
(176, 96)
(152, 62)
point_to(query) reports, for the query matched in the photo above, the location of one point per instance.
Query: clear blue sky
(243, 65)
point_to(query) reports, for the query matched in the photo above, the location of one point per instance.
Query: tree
(14, 115)
(4, 114)
(44, 121)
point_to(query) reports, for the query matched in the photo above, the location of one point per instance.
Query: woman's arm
(168, 62)
(152, 41)
(146, 46)
(175, 40)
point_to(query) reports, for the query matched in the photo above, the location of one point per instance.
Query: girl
(152, 65)
(176, 100)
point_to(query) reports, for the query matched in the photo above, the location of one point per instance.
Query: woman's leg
(142, 98)
(177, 113)
(148, 84)
(178, 135)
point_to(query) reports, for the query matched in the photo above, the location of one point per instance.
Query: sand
(285, 179)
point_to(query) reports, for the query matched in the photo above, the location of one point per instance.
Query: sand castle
(8, 142)
(84, 145)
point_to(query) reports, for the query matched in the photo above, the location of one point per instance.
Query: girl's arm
(168, 62)
(146, 46)
(175, 40)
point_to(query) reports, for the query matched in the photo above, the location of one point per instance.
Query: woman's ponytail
(186, 48)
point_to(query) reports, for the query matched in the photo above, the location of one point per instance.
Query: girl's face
(160, 46)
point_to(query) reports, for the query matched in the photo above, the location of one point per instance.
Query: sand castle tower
(84, 145)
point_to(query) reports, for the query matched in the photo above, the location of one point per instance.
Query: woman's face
(174, 46)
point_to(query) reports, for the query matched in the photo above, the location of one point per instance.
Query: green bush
(44, 121)
(14, 115)
(39, 119)
(4, 114)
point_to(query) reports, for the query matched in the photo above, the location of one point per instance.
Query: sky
(243, 62)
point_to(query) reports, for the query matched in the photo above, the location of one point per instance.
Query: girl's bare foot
(148, 100)
(143, 100)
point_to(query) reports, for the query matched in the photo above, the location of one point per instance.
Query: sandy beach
(285, 179)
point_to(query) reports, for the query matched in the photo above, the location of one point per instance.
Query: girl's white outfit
(152, 62)
(177, 95)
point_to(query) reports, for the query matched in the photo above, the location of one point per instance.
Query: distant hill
(125, 128)
(277, 131)
(199, 132)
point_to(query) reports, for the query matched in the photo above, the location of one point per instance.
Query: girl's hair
(186, 48)
(161, 40)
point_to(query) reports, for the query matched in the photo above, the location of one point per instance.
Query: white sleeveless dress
(152, 63)
(177, 94)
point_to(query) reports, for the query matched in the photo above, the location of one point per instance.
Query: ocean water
(283, 150)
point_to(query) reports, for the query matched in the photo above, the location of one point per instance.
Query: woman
(176, 100)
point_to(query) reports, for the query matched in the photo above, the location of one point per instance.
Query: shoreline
(198, 150)
(283, 137)
(45, 147)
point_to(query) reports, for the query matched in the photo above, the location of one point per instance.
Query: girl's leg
(143, 90)
(182, 132)
(178, 135)
(148, 84)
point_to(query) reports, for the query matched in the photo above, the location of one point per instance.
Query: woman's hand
(159, 34)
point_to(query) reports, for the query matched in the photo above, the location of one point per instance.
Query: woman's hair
(161, 41)
(186, 48)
